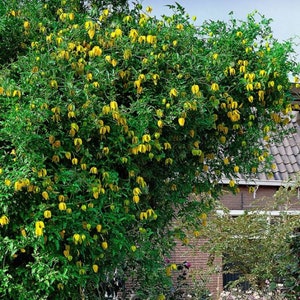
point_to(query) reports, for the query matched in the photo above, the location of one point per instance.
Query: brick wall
(197, 275)
(245, 200)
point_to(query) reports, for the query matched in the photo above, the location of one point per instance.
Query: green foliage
(261, 248)
(108, 122)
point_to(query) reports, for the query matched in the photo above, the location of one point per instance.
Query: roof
(286, 154)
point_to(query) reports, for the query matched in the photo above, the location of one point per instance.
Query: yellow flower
(26, 25)
(47, 214)
(262, 72)
(136, 199)
(249, 87)
(89, 76)
(94, 170)
(126, 55)
(165, 47)
(226, 161)
(62, 206)
(16, 93)
(148, 9)
(78, 142)
(113, 105)
(45, 195)
(155, 78)
(136, 191)
(234, 115)
(53, 84)
(143, 215)
(39, 226)
(127, 19)
(104, 245)
(242, 69)
(231, 183)
(114, 62)
(179, 26)
(215, 56)
(167, 145)
(61, 198)
(133, 34)
(151, 39)
(196, 233)
(97, 51)
(261, 95)
(160, 123)
(4, 220)
(71, 16)
(83, 167)
(169, 161)
(68, 155)
(105, 12)
(195, 89)
(181, 121)
(95, 268)
(133, 248)
(105, 150)
(118, 32)
(74, 161)
(214, 87)
(173, 93)
(257, 85)
(99, 228)
(76, 238)
(231, 71)
(236, 169)
(146, 138)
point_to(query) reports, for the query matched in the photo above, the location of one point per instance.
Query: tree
(262, 249)
(108, 122)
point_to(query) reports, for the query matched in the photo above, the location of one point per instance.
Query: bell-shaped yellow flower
(181, 121)
(4, 220)
(104, 245)
(47, 214)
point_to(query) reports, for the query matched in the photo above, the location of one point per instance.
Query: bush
(108, 122)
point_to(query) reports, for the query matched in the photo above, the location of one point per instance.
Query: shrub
(108, 122)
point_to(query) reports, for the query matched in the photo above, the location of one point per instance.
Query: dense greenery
(261, 248)
(109, 121)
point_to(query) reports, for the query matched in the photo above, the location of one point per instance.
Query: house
(287, 160)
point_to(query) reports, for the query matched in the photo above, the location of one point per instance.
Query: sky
(285, 13)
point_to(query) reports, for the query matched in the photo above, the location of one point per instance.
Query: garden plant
(110, 118)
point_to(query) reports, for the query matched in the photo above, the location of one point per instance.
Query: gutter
(259, 182)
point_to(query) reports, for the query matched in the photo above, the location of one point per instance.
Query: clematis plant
(110, 120)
